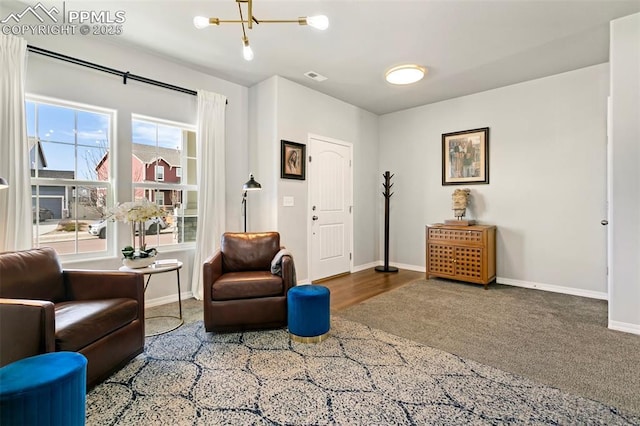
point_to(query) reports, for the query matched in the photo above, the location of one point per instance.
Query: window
(164, 172)
(70, 173)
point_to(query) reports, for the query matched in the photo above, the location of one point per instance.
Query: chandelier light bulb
(320, 22)
(200, 22)
(247, 52)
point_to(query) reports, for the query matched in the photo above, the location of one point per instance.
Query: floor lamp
(250, 185)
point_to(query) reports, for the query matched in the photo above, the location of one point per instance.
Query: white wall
(262, 214)
(624, 220)
(301, 111)
(57, 79)
(546, 194)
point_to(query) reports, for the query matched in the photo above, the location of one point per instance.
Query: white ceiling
(469, 46)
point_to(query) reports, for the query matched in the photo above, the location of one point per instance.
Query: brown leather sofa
(240, 292)
(99, 314)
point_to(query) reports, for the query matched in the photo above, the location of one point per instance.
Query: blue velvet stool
(48, 389)
(308, 313)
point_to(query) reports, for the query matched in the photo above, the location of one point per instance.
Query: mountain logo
(38, 10)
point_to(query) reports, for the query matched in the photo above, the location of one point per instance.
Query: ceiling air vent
(315, 76)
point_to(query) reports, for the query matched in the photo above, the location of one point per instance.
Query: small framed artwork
(292, 158)
(465, 157)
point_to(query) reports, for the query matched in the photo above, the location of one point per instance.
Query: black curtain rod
(125, 75)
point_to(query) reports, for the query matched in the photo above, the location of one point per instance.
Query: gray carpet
(358, 376)
(552, 338)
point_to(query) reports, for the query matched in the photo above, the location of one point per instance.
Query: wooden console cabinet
(464, 253)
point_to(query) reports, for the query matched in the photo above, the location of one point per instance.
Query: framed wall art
(292, 159)
(465, 157)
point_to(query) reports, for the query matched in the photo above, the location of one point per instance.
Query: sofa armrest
(211, 271)
(288, 273)
(27, 328)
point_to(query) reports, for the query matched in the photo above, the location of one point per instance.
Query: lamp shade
(3, 183)
(251, 185)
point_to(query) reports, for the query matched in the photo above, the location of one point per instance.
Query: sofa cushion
(31, 274)
(80, 323)
(247, 285)
(248, 251)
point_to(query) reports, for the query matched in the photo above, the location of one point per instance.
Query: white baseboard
(365, 266)
(554, 288)
(408, 267)
(624, 327)
(380, 263)
(150, 303)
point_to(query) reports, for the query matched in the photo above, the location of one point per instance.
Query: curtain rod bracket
(124, 77)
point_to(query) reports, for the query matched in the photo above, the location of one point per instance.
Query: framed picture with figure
(293, 160)
(465, 157)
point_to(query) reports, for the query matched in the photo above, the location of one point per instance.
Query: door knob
(314, 217)
(604, 222)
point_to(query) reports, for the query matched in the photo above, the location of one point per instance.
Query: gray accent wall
(547, 187)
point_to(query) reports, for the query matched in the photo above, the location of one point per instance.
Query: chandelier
(320, 22)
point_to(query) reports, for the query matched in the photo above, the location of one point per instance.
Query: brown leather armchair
(240, 292)
(99, 314)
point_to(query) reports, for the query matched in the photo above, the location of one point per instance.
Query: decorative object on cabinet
(460, 201)
(464, 254)
(292, 160)
(387, 196)
(465, 157)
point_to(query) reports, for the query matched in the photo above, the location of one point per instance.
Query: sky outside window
(71, 139)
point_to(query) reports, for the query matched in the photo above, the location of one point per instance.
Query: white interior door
(330, 190)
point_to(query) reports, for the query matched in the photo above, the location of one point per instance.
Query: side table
(152, 270)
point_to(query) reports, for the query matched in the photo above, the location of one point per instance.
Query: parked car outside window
(43, 214)
(151, 226)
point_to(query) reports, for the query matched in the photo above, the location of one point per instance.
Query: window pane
(56, 124)
(192, 179)
(67, 218)
(56, 160)
(169, 137)
(143, 132)
(191, 144)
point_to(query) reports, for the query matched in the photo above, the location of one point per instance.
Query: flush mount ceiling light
(320, 22)
(405, 74)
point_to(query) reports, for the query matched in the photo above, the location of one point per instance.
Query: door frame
(349, 145)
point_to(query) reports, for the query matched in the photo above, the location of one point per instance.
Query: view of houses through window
(71, 176)
(164, 171)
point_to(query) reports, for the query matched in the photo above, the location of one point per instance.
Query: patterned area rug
(358, 376)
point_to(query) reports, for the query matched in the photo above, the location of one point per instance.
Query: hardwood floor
(351, 289)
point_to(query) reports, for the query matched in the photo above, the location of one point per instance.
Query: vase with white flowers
(137, 213)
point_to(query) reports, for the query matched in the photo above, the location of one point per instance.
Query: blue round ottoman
(308, 313)
(48, 389)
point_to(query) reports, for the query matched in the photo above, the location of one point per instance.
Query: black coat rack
(387, 196)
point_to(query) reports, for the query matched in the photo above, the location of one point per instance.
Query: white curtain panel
(211, 181)
(16, 227)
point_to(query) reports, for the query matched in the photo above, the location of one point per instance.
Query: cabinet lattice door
(462, 253)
